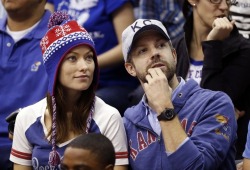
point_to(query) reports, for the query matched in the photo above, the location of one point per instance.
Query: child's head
(89, 151)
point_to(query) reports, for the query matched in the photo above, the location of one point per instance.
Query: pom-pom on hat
(62, 36)
(132, 32)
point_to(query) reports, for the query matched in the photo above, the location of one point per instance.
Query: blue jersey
(96, 17)
(31, 148)
(207, 118)
(23, 77)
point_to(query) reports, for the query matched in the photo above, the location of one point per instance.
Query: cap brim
(150, 28)
(145, 29)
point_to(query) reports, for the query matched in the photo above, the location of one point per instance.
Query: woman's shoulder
(34, 110)
(102, 107)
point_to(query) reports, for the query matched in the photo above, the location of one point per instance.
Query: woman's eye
(71, 58)
(89, 57)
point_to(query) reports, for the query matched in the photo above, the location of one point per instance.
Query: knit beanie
(63, 35)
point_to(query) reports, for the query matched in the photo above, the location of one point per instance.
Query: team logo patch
(35, 66)
(225, 129)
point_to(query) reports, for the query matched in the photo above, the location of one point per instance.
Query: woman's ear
(130, 69)
(192, 2)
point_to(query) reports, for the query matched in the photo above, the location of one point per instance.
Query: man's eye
(141, 51)
(162, 45)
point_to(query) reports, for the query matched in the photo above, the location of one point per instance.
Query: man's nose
(155, 53)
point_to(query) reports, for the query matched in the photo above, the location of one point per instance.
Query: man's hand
(222, 28)
(157, 90)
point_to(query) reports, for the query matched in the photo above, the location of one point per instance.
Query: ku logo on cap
(139, 24)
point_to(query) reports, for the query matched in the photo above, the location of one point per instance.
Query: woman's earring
(194, 4)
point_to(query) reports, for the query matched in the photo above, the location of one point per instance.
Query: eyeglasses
(229, 2)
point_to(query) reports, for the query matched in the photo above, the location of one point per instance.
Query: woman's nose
(82, 65)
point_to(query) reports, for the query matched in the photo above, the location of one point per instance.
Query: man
(23, 78)
(89, 151)
(177, 124)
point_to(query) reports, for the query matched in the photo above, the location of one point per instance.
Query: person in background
(240, 12)
(169, 12)
(2, 10)
(43, 130)
(89, 151)
(21, 69)
(245, 164)
(213, 53)
(105, 20)
(177, 124)
(246, 153)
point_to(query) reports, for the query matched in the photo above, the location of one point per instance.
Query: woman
(105, 20)
(71, 107)
(214, 54)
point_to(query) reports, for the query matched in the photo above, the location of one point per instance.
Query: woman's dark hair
(80, 111)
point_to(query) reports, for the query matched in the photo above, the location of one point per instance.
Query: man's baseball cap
(130, 34)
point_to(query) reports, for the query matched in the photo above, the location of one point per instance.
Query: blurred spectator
(213, 53)
(89, 151)
(240, 12)
(246, 153)
(23, 78)
(105, 20)
(169, 12)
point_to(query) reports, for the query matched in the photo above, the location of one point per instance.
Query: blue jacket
(209, 121)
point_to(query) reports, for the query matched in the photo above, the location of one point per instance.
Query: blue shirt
(23, 77)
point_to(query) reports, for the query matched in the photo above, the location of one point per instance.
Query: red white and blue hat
(62, 36)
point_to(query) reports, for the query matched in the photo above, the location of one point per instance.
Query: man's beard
(169, 72)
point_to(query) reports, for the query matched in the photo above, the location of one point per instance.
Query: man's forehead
(149, 34)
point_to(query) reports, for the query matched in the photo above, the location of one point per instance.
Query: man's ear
(109, 167)
(174, 55)
(130, 69)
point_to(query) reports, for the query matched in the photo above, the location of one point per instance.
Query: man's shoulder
(197, 93)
